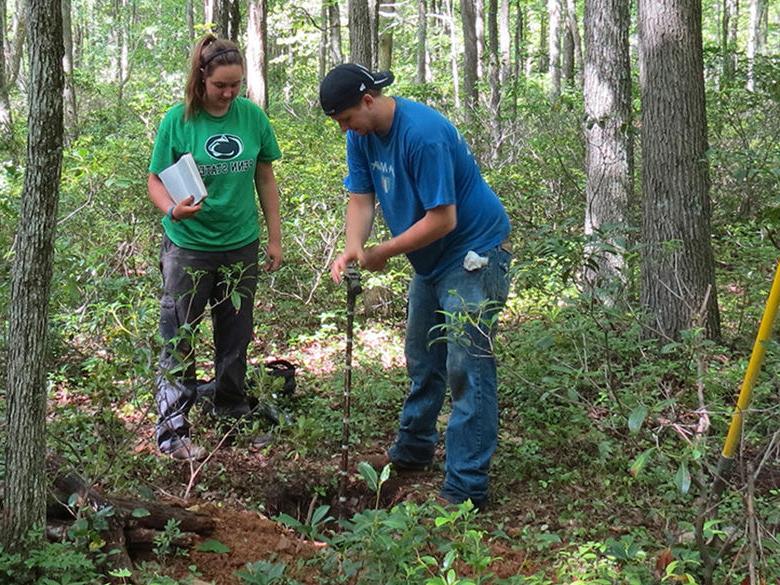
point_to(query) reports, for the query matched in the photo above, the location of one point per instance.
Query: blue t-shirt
(422, 163)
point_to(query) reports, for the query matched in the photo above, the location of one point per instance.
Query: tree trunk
(454, 52)
(5, 102)
(373, 12)
(189, 15)
(678, 276)
(386, 37)
(470, 56)
(727, 41)
(554, 48)
(25, 494)
(334, 21)
(360, 50)
(322, 53)
(574, 28)
(69, 95)
(479, 27)
(16, 46)
(422, 42)
(495, 79)
(543, 60)
(504, 43)
(520, 55)
(122, 69)
(754, 33)
(214, 14)
(608, 144)
(256, 53)
(567, 53)
(234, 20)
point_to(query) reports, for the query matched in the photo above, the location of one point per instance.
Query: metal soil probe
(352, 279)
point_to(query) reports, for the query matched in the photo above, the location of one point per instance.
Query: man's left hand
(373, 259)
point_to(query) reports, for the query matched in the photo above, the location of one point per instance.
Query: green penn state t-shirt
(227, 150)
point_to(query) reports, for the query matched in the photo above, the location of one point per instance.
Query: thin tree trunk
(678, 273)
(387, 11)
(479, 27)
(543, 56)
(470, 56)
(189, 15)
(554, 48)
(608, 143)
(334, 21)
(5, 102)
(360, 49)
(69, 95)
(322, 54)
(567, 53)
(574, 28)
(454, 52)
(495, 79)
(754, 34)
(504, 43)
(373, 12)
(256, 53)
(14, 56)
(727, 48)
(520, 51)
(31, 272)
(233, 15)
(422, 42)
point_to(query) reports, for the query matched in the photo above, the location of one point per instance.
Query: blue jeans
(450, 328)
(192, 280)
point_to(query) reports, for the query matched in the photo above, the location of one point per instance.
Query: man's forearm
(359, 220)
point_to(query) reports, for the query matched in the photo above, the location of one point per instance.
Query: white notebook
(182, 179)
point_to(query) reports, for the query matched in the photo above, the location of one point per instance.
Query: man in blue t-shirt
(445, 218)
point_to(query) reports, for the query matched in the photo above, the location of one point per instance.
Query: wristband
(170, 213)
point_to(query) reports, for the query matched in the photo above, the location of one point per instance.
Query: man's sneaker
(183, 449)
(378, 462)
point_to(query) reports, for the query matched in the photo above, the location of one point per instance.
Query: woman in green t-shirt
(210, 248)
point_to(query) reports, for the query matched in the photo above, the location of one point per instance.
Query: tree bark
(5, 102)
(754, 35)
(69, 94)
(554, 48)
(504, 43)
(543, 57)
(573, 27)
(728, 41)
(470, 56)
(31, 272)
(678, 275)
(16, 46)
(334, 21)
(422, 42)
(360, 49)
(256, 53)
(608, 144)
(454, 52)
(494, 78)
(189, 16)
(386, 37)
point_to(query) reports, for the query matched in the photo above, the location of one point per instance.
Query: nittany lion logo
(224, 146)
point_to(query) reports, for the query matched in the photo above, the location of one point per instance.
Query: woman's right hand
(185, 209)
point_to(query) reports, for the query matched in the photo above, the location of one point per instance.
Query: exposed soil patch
(251, 537)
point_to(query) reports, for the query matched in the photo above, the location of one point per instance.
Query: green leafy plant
(265, 573)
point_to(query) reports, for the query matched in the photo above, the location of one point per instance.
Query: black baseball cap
(345, 84)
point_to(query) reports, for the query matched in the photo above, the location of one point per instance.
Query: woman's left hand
(273, 257)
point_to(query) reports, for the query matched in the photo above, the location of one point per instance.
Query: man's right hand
(185, 208)
(339, 266)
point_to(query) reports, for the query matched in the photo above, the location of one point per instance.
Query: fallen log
(133, 524)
